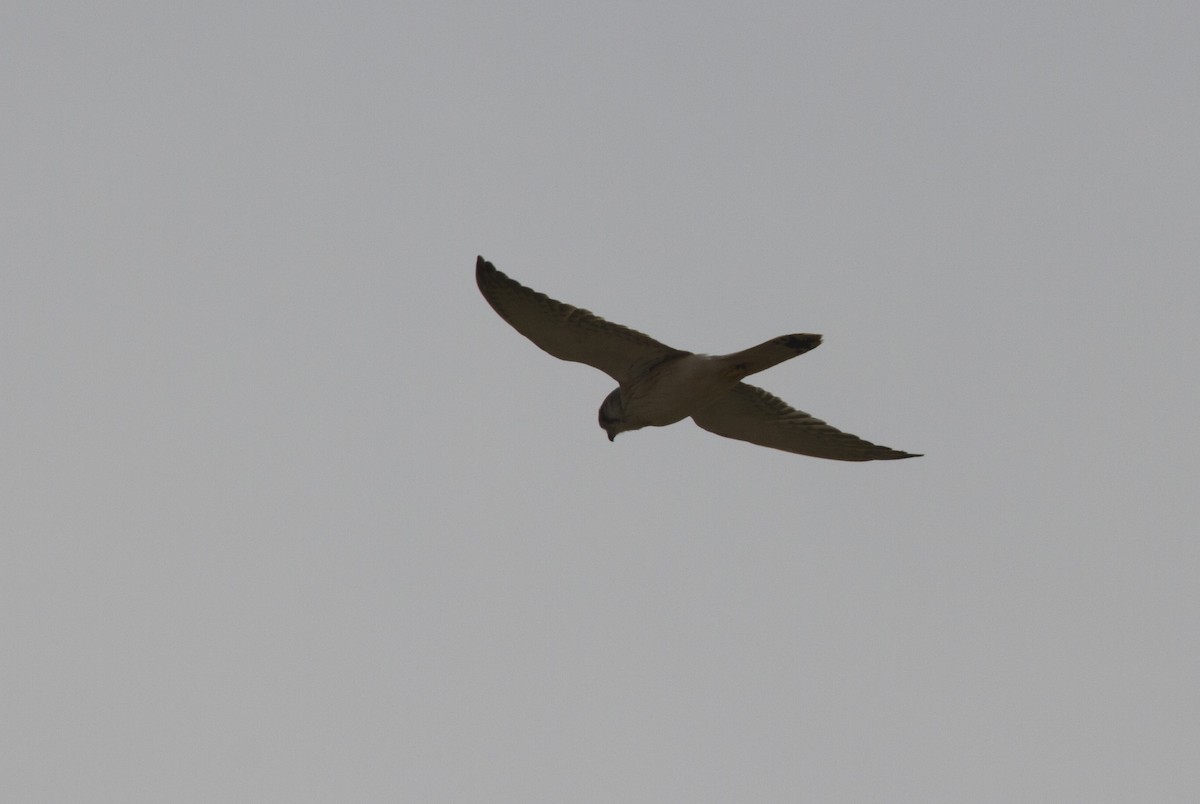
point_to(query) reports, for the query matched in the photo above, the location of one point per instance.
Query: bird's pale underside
(659, 385)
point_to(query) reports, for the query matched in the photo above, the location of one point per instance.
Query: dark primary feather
(751, 414)
(567, 332)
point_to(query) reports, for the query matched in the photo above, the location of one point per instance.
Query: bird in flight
(659, 385)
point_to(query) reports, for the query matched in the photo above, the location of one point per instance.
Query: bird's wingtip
(484, 269)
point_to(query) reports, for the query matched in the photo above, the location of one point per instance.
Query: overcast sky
(290, 514)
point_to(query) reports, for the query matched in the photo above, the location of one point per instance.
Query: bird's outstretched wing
(751, 414)
(569, 333)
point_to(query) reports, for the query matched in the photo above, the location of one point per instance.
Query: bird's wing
(751, 414)
(569, 333)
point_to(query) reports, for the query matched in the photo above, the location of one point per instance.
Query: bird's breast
(673, 390)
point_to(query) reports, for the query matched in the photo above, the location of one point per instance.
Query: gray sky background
(289, 514)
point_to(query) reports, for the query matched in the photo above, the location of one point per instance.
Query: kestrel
(659, 385)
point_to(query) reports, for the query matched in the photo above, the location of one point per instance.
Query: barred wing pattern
(569, 333)
(751, 414)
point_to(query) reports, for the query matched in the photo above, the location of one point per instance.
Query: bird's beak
(612, 436)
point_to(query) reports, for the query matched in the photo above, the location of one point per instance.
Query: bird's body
(660, 385)
(674, 390)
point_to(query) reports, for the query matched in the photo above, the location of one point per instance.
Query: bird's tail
(775, 351)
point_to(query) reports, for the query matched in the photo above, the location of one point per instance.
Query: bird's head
(612, 415)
